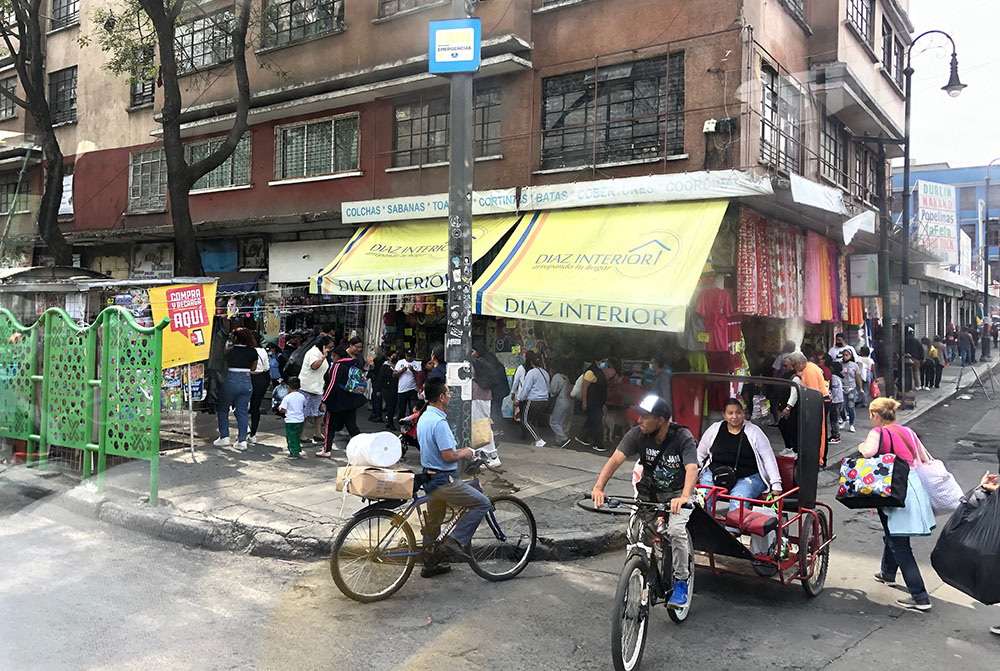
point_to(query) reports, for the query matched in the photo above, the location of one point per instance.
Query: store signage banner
(190, 309)
(66, 202)
(938, 220)
(435, 206)
(403, 258)
(629, 267)
(649, 189)
(965, 263)
(863, 275)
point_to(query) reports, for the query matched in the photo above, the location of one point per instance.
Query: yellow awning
(632, 267)
(403, 258)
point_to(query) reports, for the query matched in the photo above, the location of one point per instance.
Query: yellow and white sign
(630, 267)
(403, 258)
(190, 309)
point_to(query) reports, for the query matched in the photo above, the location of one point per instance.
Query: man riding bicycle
(439, 456)
(668, 454)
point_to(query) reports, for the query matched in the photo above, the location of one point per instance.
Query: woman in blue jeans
(737, 444)
(241, 361)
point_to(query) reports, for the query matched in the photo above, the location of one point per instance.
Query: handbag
(880, 481)
(482, 432)
(725, 476)
(916, 517)
(942, 489)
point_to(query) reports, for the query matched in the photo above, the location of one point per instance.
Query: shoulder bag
(942, 489)
(874, 482)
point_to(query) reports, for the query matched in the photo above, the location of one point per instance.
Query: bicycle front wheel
(504, 541)
(630, 618)
(373, 556)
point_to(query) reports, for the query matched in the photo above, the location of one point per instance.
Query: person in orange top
(812, 377)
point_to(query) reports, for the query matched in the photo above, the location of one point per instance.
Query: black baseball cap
(653, 405)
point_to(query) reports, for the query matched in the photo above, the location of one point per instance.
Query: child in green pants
(292, 408)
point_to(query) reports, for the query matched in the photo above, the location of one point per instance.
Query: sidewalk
(264, 504)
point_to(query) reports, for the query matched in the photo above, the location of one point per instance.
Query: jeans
(833, 421)
(405, 400)
(377, 406)
(259, 383)
(559, 420)
(897, 554)
(448, 488)
(680, 551)
(965, 354)
(950, 352)
(850, 398)
(235, 393)
(752, 487)
(938, 371)
(593, 430)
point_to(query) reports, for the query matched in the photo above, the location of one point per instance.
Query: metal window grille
(8, 108)
(8, 193)
(65, 12)
(420, 131)
(780, 118)
(288, 21)
(860, 13)
(142, 93)
(234, 171)
(204, 41)
(486, 111)
(833, 152)
(62, 95)
(147, 187)
(886, 45)
(617, 113)
(898, 58)
(865, 171)
(390, 7)
(321, 147)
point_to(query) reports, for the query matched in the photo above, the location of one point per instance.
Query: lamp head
(954, 86)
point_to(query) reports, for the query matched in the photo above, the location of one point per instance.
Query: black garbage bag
(967, 553)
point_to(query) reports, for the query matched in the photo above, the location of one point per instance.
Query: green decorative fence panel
(55, 377)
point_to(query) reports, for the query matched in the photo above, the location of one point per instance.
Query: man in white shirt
(839, 346)
(406, 377)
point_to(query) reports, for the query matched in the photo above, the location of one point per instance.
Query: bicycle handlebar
(617, 501)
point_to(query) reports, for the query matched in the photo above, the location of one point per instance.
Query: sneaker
(252, 440)
(851, 428)
(565, 443)
(995, 630)
(294, 456)
(305, 441)
(452, 549)
(835, 441)
(882, 579)
(326, 454)
(241, 445)
(599, 448)
(840, 423)
(539, 443)
(494, 462)
(911, 604)
(222, 442)
(679, 598)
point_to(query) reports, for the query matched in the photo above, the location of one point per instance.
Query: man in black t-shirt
(671, 453)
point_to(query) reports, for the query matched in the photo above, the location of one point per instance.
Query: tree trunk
(48, 210)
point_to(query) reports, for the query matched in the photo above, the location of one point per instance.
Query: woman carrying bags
(897, 555)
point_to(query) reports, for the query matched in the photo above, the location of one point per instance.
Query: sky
(959, 131)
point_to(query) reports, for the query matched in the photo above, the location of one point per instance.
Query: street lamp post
(953, 88)
(984, 248)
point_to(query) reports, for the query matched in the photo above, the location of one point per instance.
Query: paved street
(146, 603)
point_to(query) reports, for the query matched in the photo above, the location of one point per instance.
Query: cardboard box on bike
(375, 483)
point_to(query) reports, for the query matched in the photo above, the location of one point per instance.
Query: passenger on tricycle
(669, 458)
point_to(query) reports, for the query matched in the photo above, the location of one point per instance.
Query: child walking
(836, 401)
(293, 408)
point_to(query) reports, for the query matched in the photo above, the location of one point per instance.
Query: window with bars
(617, 113)
(65, 13)
(390, 7)
(10, 200)
(62, 95)
(865, 173)
(204, 41)
(289, 21)
(147, 184)
(234, 171)
(319, 147)
(859, 15)
(886, 45)
(781, 121)
(8, 108)
(833, 152)
(420, 132)
(141, 93)
(898, 57)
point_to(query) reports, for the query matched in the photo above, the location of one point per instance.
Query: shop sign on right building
(937, 221)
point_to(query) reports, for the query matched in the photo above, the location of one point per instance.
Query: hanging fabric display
(855, 312)
(753, 266)
(842, 270)
(813, 293)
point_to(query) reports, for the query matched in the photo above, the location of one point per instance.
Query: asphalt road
(77, 594)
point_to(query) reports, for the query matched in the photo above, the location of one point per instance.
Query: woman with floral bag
(897, 555)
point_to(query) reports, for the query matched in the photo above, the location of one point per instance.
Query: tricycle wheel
(630, 617)
(807, 545)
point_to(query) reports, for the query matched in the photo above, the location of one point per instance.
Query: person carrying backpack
(344, 394)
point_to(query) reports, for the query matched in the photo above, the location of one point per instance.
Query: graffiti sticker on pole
(454, 46)
(190, 309)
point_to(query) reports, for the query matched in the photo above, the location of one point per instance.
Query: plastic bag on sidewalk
(967, 552)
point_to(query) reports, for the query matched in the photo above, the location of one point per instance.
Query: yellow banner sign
(190, 309)
(632, 267)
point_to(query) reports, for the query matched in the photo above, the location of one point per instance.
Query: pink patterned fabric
(812, 293)
(769, 258)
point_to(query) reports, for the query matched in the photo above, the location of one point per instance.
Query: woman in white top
(260, 380)
(312, 378)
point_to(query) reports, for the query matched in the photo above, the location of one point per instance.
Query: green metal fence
(95, 389)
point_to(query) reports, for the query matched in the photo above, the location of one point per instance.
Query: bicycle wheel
(814, 585)
(678, 615)
(504, 541)
(630, 617)
(373, 555)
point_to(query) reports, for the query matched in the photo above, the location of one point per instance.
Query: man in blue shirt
(439, 455)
